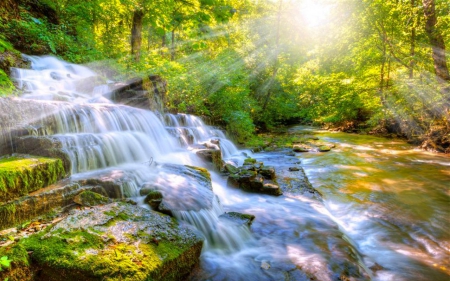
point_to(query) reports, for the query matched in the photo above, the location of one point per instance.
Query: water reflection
(391, 199)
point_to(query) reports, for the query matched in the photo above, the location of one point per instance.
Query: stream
(383, 214)
(392, 200)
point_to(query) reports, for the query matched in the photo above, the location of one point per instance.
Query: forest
(367, 66)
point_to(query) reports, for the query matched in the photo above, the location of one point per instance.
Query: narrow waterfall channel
(362, 229)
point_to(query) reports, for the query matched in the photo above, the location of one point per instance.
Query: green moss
(324, 148)
(89, 254)
(89, 198)
(6, 86)
(61, 250)
(17, 254)
(20, 176)
(204, 172)
(19, 269)
(249, 161)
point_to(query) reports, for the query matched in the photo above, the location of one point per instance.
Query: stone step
(58, 195)
(38, 203)
(22, 174)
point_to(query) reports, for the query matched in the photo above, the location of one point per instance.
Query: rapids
(384, 213)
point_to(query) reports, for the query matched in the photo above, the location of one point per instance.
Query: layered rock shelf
(118, 241)
(21, 175)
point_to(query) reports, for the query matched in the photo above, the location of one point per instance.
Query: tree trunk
(136, 35)
(436, 41)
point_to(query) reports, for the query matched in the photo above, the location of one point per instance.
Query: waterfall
(101, 137)
(190, 129)
(222, 236)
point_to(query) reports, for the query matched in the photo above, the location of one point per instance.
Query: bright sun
(315, 13)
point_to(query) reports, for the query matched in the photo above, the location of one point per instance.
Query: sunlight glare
(315, 13)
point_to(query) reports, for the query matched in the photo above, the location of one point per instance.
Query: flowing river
(389, 201)
(383, 213)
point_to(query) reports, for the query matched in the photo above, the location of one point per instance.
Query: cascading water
(190, 129)
(104, 137)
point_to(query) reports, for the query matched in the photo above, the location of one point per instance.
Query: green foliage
(4, 263)
(5, 45)
(240, 126)
(6, 86)
(251, 65)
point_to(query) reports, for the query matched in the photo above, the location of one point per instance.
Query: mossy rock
(249, 161)
(238, 218)
(89, 199)
(202, 171)
(231, 169)
(268, 172)
(39, 203)
(324, 148)
(117, 241)
(154, 199)
(19, 269)
(21, 175)
(299, 148)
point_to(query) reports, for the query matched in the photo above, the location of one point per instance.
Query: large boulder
(147, 93)
(117, 241)
(172, 182)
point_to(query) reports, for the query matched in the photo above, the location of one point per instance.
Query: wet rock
(212, 154)
(154, 199)
(233, 180)
(324, 148)
(120, 241)
(255, 184)
(146, 93)
(88, 199)
(231, 169)
(43, 146)
(21, 175)
(256, 149)
(111, 183)
(238, 218)
(21, 117)
(149, 188)
(192, 184)
(265, 265)
(249, 161)
(296, 182)
(299, 148)
(255, 178)
(268, 172)
(87, 84)
(272, 189)
(376, 267)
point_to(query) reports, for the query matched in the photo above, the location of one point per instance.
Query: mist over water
(385, 208)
